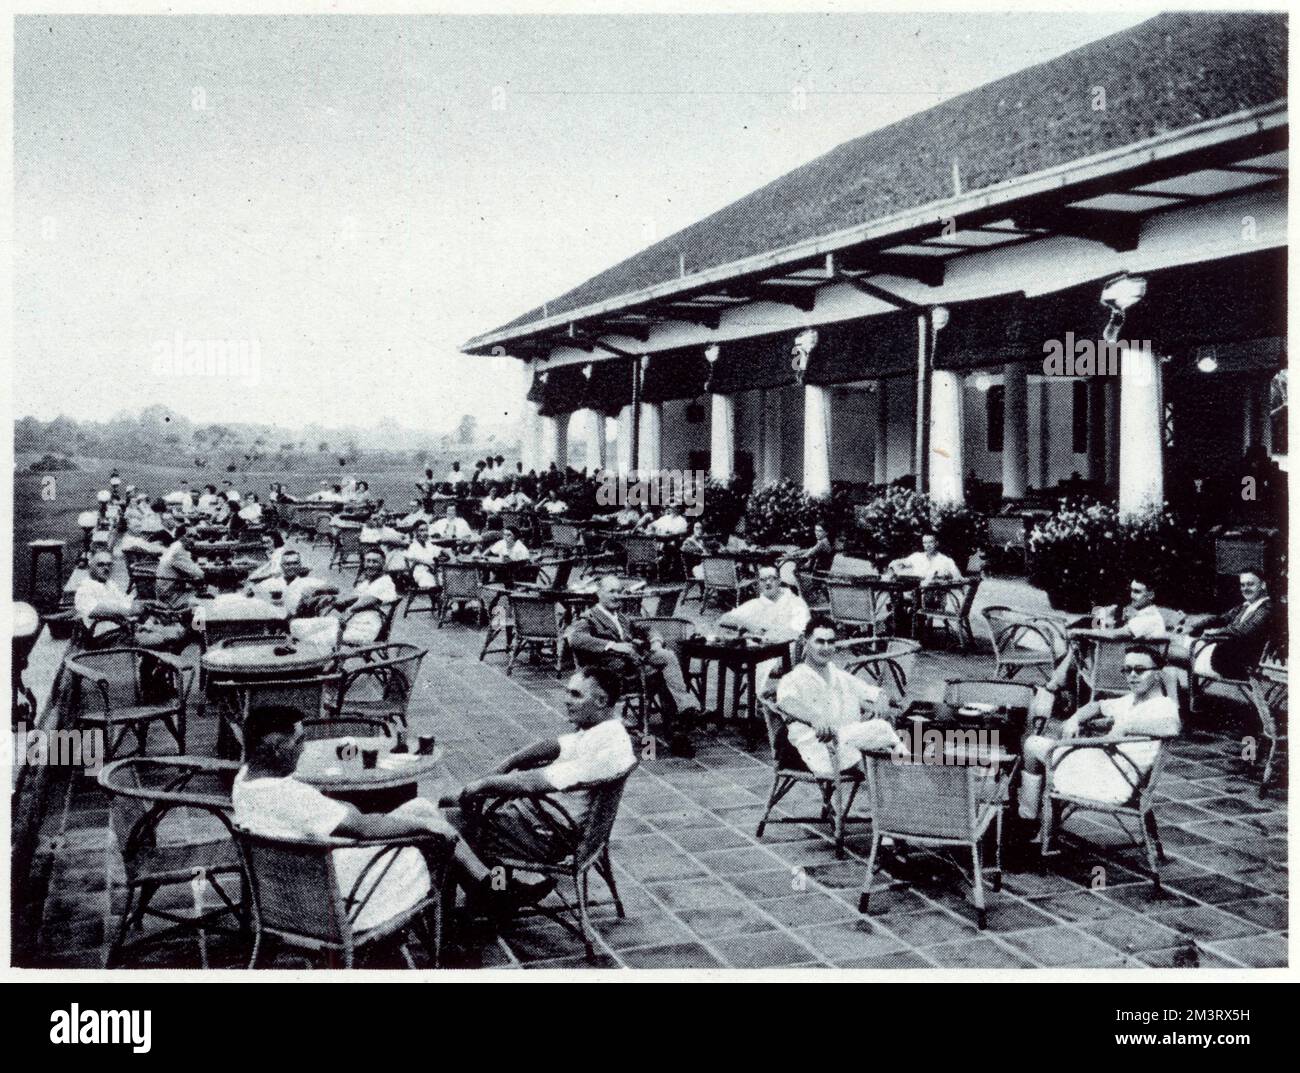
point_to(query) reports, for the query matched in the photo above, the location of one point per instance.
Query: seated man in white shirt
(598, 750)
(493, 502)
(929, 564)
(272, 568)
(509, 548)
(451, 526)
(421, 555)
(302, 592)
(269, 800)
(775, 614)
(517, 500)
(552, 504)
(1141, 620)
(1091, 773)
(356, 619)
(671, 523)
(100, 602)
(827, 704)
(251, 512)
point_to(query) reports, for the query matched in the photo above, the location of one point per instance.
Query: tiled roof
(1168, 73)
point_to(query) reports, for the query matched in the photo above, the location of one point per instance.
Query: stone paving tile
(976, 954)
(702, 891)
(1256, 951)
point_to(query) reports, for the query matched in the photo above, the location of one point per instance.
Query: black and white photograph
(789, 491)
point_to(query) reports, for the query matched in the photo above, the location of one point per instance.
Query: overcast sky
(341, 191)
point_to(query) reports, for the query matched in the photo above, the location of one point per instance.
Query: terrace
(701, 891)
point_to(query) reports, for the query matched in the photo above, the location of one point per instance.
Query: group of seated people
(270, 800)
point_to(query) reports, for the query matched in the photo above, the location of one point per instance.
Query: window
(995, 398)
(1079, 430)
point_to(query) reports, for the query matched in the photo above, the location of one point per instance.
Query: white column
(881, 437)
(561, 447)
(1141, 461)
(947, 432)
(1015, 429)
(546, 444)
(816, 440)
(722, 437)
(770, 401)
(597, 448)
(530, 437)
(625, 440)
(651, 427)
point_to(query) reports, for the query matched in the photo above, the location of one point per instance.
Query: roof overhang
(1102, 198)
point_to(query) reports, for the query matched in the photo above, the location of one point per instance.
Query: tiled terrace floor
(701, 891)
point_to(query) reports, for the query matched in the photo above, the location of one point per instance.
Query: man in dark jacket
(606, 637)
(1238, 636)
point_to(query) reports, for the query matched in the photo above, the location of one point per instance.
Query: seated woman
(509, 548)
(421, 555)
(817, 559)
(1096, 774)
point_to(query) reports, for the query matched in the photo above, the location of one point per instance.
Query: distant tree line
(159, 435)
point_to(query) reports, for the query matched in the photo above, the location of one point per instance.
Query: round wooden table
(379, 789)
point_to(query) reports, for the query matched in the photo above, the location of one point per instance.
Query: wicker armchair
(123, 691)
(641, 556)
(885, 661)
(855, 608)
(378, 681)
(1269, 694)
(295, 894)
(939, 805)
(577, 845)
(948, 604)
(537, 628)
(347, 548)
(789, 771)
(1024, 642)
(148, 793)
(1101, 663)
(1058, 804)
(461, 585)
(722, 575)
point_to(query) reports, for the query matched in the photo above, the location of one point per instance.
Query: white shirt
(456, 528)
(289, 808)
(456, 476)
(517, 501)
(427, 554)
(252, 513)
(554, 506)
(596, 754)
(927, 567)
(1147, 624)
(815, 702)
(516, 554)
(206, 502)
(95, 595)
(492, 506)
(298, 589)
(669, 525)
(787, 614)
(1091, 773)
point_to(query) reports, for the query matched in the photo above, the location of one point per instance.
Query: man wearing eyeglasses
(1099, 774)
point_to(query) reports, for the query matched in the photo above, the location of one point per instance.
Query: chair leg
(581, 884)
(864, 898)
(997, 851)
(980, 909)
(606, 870)
(838, 811)
(1048, 814)
(115, 951)
(1155, 836)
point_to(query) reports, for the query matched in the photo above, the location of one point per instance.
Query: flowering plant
(1086, 553)
(780, 513)
(891, 526)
